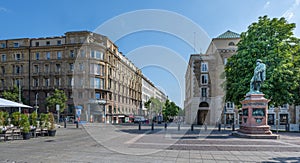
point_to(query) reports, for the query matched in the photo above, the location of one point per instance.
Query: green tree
(59, 98)
(154, 105)
(12, 94)
(170, 110)
(272, 41)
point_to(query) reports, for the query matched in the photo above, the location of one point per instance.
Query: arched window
(231, 44)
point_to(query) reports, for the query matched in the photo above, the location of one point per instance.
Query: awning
(8, 103)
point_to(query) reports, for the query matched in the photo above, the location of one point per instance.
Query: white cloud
(267, 5)
(290, 13)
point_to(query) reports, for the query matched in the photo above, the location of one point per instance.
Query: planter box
(26, 136)
(51, 132)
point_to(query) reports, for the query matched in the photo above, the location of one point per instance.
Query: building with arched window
(203, 92)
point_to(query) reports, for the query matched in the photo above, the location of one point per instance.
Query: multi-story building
(149, 90)
(203, 92)
(97, 79)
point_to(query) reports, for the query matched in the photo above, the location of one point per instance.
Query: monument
(255, 108)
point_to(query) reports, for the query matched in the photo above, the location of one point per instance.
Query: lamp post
(36, 97)
(20, 97)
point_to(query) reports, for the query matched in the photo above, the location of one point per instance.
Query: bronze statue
(258, 77)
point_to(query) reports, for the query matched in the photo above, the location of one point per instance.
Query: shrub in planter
(51, 127)
(24, 123)
(33, 119)
(44, 120)
(16, 117)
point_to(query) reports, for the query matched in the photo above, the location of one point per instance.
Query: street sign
(57, 107)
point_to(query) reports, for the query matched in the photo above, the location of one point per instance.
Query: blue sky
(36, 18)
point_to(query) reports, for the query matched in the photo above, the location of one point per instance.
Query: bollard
(152, 126)
(77, 124)
(65, 124)
(286, 127)
(166, 125)
(139, 125)
(205, 127)
(192, 127)
(233, 127)
(178, 126)
(219, 126)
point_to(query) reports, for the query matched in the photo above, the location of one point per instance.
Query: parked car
(138, 119)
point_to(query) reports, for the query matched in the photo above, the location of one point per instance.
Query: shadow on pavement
(285, 159)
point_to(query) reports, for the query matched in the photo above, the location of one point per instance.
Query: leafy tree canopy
(59, 98)
(12, 94)
(272, 41)
(170, 110)
(154, 105)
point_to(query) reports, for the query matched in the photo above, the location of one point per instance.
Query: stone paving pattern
(78, 145)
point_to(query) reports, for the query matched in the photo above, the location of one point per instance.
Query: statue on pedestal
(258, 77)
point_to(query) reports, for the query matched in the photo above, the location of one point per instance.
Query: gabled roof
(229, 34)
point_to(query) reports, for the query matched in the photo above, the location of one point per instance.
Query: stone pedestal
(255, 112)
(254, 118)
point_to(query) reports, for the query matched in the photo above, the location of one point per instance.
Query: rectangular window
(59, 55)
(98, 95)
(204, 78)
(17, 57)
(58, 42)
(47, 43)
(81, 66)
(57, 81)
(72, 54)
(3, 45)
(57, 68)
(92, 54)
(17, 69)
(71, 66)
(70, 81)
(36, 68)
(3, 57)
(2, 70)
(48, 55)
(16, 45)
(47, 69)
(47, 82)
(35, 82)
(37, 56)
(203, 92)
(97, 83)
(204, 67)
(37, 44)
(283, 119)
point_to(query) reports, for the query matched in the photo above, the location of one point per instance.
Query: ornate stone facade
(84, 64)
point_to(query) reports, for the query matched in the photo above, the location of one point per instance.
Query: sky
(157, 40)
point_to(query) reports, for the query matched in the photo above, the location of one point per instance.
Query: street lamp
(36, 97)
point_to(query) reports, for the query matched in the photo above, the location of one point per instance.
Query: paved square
(125, 143)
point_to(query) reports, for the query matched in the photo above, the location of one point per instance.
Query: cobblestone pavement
(107, 143)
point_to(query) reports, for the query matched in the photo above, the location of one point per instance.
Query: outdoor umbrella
(8, 103)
